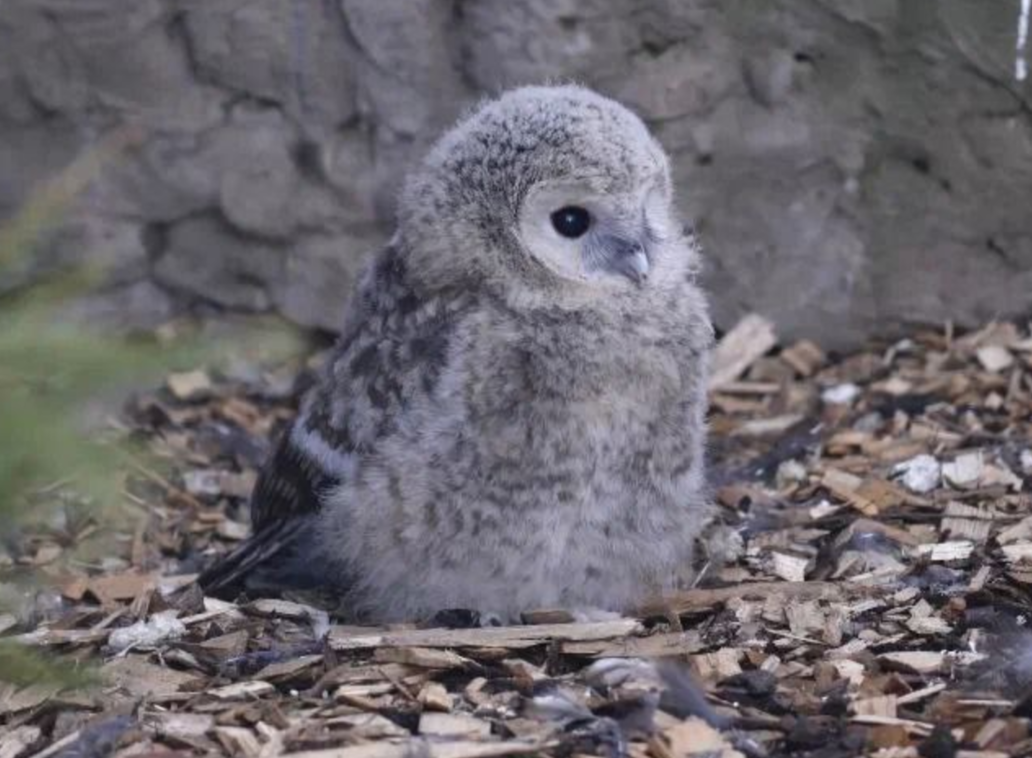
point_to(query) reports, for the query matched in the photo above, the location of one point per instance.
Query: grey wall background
(851, 165)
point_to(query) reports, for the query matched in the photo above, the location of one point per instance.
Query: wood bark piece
(930, 662)
(750, 339)
(674, 644)
(699, 600)
(512, 637)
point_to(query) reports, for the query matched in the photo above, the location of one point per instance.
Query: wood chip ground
(865, 590)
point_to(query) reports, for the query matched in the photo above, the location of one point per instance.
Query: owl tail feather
(232, 573)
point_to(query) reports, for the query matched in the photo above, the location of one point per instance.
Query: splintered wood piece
(750, 339)
(1017, 532)
(285, 670)
(242, 691)
(1018, 552)
(109, 589)
(866, 525)
(422, 657)
(718, 665)
(941, 552)
(851, 670)
(788, 566)
(921, 694)
(17, 741)
(694, 736)
(882, 705)
(453, 725)
(46, 637)
(995, 358)
(277, 608)
(672, 644)
(434, 697)
(189, 385)
(27, 698)
(869, 496)
(699, 600)
(929, 626)
(140, 678)
(967, 529)
(805, 357)
(238, 741)
(965, 472)
(931, 662)
(762, 427)
(504, 637)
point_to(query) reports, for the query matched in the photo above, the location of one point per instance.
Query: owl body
(509, 421)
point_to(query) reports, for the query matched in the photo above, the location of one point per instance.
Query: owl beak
(628, 257)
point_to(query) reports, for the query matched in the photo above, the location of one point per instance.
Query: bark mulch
(866, 589)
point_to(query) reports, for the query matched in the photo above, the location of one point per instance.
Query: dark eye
(571, 221)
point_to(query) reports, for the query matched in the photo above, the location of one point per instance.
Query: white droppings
(790, 472)
(921, 474)
(1020, 64)
(1026, 462)
(161, 627)
(965, 471)
(840, 394)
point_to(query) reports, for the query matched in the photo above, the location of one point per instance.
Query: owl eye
(571, 221)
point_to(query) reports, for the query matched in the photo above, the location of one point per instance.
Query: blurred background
(852, 166)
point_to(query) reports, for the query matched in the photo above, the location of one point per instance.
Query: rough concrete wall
(851, 165)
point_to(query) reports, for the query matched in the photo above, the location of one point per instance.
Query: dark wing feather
(287, 489)
(288, 486)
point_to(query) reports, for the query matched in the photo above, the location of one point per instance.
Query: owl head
(549, 192)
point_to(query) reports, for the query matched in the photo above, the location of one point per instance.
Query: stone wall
(851, 165)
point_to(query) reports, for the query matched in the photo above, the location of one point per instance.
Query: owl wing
(392, 349)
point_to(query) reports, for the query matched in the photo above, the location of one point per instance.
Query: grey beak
(630, 259)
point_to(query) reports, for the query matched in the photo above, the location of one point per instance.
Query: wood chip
(17, 742)
(434, 697)
(189, 385)
(915, 727)
(694, 736)
(930, 662)
(697, 600)
(22, 699)
(941, 552)
(422, 657)
(788, 566)
(287, 670)
(242, 691)
(515, 637)
(767, 426)
(805, 357)
(716, 666)
(882, 705)
(964, 472)
(749, 340)
(110, 589)
(995, 358)
(238, 741)
(453, 725)
(140, 678)
(1018, 552)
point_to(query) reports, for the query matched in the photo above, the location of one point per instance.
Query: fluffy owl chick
(513, 417)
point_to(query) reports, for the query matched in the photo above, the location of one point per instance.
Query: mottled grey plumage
(513, 418)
